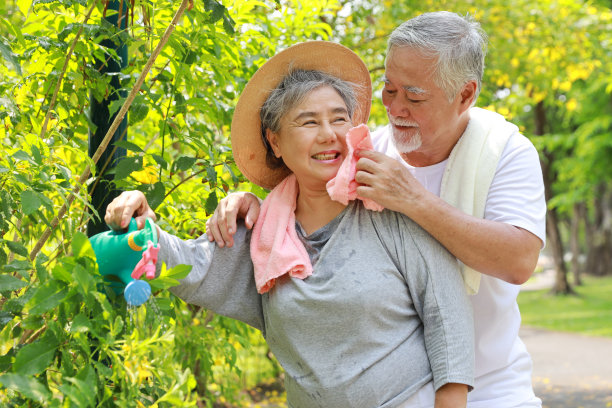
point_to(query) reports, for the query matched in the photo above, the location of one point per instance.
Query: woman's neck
(315, 209)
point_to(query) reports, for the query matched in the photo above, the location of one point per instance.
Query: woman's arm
(440, 299)
(451, 395)
(221, 279)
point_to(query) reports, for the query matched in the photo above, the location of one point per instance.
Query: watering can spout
(123, 257)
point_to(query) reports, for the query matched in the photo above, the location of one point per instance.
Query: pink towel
(343, 187)
(275, 246)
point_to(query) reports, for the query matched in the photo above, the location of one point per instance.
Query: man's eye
(389, 91)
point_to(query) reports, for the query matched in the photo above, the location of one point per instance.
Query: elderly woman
(382, 318)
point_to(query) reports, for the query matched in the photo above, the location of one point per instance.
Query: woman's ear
(272, 138)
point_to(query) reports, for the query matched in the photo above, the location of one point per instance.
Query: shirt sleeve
(221, 279)
(516, 195)
(441, 301)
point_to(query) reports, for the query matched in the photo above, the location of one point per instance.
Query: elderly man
(465, 175)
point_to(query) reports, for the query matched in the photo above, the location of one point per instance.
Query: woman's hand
(129, 204)
(221, 226)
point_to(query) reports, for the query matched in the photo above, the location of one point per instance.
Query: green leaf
(34, 358)
(184, 163)
(17, 247)
(17, 266)
(229, 24)
(30, 202)
(128, 146)
(8, 283)
(3, 257)
(83, 278)
(138, 112)
(156, 195)
(23, 156)
(217, 10)
(161, 161)
(67, 3)
(179, 272)
(80, 324)
(81, 246)
(28, 386)
(5, 317)
(127, 165)
(211, 203)
(41, 269)
(9, 55)
(47, 297)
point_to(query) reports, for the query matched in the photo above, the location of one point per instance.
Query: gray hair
(291, 91)
(458, 43)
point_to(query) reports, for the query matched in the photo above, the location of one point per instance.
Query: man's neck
(425, 156)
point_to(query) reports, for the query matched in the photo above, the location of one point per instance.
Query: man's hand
(494, 248)
(221, 226)
(387, 181)
(129, 204)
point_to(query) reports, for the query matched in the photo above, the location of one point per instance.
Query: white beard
(403, 142)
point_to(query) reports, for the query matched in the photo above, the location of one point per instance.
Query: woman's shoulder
(385, 221)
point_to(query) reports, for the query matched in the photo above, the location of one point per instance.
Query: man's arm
(221, 226)
(490, 247)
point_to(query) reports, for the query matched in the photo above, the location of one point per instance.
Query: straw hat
(335, 59)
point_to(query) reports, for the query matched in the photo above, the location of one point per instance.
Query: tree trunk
(599, 237)
(575, 222)
(552, 219)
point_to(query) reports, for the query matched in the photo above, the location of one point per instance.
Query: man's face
(422, 118)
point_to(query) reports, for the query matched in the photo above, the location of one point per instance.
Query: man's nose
(399, 107)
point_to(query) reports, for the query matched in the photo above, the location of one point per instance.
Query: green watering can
(123, 257)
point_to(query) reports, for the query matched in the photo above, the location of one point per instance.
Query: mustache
(402, 122)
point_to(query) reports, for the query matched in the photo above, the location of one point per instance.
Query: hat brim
(334, 59)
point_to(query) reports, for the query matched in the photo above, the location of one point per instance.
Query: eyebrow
(310, 113)
(408, 88)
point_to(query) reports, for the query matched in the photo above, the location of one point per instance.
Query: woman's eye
(340, 119)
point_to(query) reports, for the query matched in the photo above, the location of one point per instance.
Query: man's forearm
(490, 247)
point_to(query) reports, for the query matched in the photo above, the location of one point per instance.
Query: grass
(588, 312)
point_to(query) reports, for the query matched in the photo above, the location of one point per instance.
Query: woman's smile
(331, 156)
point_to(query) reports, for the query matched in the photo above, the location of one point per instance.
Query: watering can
(123, 257)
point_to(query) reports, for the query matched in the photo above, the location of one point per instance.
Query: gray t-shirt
(383, 313)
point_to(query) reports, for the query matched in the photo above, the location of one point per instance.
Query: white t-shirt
(516, 197)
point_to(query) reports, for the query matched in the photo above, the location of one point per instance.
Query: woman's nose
(326, 133)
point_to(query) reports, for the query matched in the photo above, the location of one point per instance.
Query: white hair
(458, 44)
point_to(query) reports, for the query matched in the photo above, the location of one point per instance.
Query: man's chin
(406, 143)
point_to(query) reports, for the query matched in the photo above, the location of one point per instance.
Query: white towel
(470, 170)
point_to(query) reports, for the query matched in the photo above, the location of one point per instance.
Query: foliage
(64, 341)
(589, 313)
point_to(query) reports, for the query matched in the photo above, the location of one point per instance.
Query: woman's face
(311, 139)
